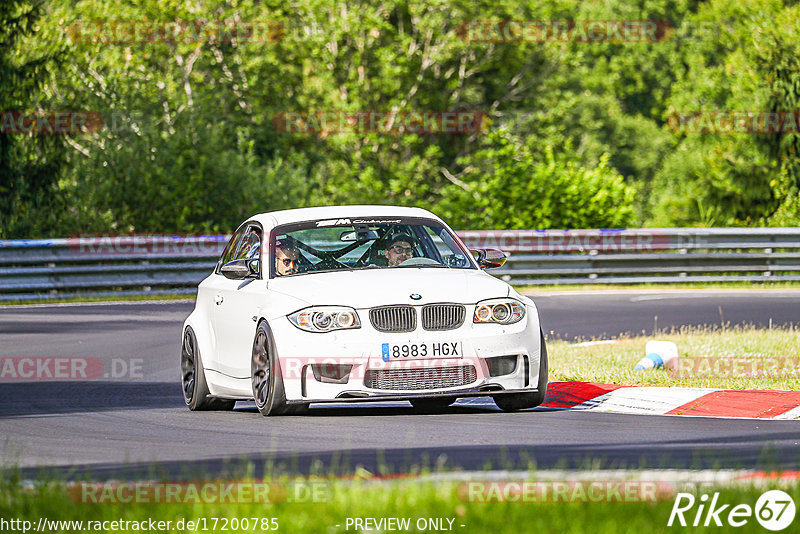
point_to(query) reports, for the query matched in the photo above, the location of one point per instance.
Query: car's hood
(368, 288)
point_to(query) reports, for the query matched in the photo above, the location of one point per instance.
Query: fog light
(502, 365)
(331, 373)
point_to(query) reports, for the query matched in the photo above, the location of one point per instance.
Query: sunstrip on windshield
(340, 222)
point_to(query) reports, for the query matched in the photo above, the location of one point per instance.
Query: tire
(193, 378)
(432, 404)
(266, 378)
(521, 401)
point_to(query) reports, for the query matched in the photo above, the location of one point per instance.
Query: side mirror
(489, 258)
(240, 269)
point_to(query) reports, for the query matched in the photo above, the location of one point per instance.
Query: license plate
(443, 349)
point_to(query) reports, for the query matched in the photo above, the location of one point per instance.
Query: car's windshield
(365, 243)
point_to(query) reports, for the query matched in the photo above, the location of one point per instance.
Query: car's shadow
(20, 399)
(396, 408)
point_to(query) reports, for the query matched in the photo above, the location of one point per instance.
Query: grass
(343, 499)
(756, 359)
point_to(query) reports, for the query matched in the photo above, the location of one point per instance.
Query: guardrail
(660, 255)
(152, 265)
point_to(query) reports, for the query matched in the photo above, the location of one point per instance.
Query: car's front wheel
(520, 401)
(193, 378)
(266, 377)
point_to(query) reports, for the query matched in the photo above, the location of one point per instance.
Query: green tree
(741, 57)
(29, 163)
(516, 183)
(575, 133)
(776, 51)
(184, 146)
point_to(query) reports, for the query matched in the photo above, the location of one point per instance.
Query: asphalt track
(138, 426)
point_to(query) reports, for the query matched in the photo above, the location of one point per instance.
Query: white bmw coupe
(353, 304)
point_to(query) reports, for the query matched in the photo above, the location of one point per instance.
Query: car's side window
(250, 246)
(230, 249)
(447, 248)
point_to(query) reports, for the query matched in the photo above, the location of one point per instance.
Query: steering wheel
(372, 257)
(456, 261)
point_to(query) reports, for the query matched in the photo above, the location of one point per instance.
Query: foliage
(29, 165)
(741, 57)
(574, 134)
(515, 183)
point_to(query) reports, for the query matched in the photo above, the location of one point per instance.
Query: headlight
(325, 319)
(501, 311)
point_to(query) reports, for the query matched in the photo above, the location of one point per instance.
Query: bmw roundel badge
(415, 296)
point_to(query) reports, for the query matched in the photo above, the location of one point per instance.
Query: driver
(399, 249)
(287, 258)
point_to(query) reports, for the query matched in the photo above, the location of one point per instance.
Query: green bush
(515, 183)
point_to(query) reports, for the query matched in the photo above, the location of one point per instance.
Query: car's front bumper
(360, 351)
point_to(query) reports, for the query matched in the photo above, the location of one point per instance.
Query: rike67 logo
(774, 510)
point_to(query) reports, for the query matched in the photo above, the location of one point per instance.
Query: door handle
(218, 299)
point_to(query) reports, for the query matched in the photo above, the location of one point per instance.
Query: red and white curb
(697, 402)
